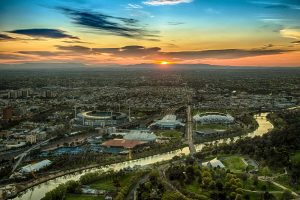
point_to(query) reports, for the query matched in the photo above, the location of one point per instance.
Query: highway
(189, 130)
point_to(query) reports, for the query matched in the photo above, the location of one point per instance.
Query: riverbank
(38, 189)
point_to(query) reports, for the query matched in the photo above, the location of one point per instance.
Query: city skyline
(91, 32)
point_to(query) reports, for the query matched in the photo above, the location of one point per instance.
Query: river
(39, 191)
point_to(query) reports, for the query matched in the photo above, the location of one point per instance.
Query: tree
(244, 176)
(266, 171)
(171, 196)
(255, 180)
(73, 187)
(287, 195)
(238, 197)
(219, 186)
(268, 196)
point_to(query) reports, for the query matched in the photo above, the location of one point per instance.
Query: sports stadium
(214, 118)
(101, 118)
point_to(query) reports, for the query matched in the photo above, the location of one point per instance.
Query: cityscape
(116, 100)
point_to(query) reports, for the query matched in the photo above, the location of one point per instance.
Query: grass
(170, 133)
(195, 187)
(255, 196)
(295, 158)
(212, 126)
(285, 181)
(248, 184)
(234, 163)
(82, 197)
(107, 184)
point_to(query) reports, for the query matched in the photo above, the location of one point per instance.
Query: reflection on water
(39, 191)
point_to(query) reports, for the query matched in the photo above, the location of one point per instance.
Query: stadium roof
(128, 144)
(140, 136)
(168, 120)
(214, 163)
(214, 118)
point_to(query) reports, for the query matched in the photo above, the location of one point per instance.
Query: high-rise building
(31, 138)
(25, 93)
(13, 94)
(48, 94)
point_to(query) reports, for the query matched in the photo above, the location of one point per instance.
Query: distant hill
(80, 66)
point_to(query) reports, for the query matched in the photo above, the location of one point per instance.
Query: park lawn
(170, 133)
(126, 178)
(195, 187)
(295, 158)
(255, 196)
(284, 180)
(107, 184)
(234, 163)
(212, 126)
(104, 184)
(82, 197)
(248, 185)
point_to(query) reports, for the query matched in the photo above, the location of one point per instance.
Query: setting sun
(164, 62)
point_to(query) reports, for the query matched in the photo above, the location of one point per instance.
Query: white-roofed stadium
(214, 118)
(101, 118)
(167, 122)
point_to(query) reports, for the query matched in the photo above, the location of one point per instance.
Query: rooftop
(128, 144)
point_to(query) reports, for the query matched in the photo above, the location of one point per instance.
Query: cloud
(134, 6)
(11, 56)
(120, 26)
(137, 54)
(290, 33)
(75, 42)
(40, 53)
(4, 37)
(175, 23)
(222, 53)
(134, 50)
(136, 10)
(44, 32)
(165, 2)
(274, 5)
(75, 48)
(296, 42)
(155, 52)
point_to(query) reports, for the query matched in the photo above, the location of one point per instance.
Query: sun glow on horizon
(164, 62)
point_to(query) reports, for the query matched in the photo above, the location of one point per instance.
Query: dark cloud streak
(4, 37)
(125, 27)
(44, 32)
(155, 52)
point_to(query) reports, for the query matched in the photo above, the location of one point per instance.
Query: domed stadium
(101, 118)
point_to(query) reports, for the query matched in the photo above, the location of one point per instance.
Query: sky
(124, 32)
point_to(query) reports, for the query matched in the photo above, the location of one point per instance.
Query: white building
(35, 167)
(31, 138)
(213, 163)
(168, 122)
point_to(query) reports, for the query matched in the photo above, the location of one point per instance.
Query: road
(189, 130)
(263, 178)
(131, 194)
(24, 154)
